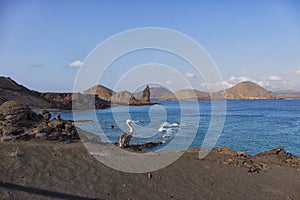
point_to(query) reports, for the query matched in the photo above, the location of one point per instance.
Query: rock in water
(126, 98)
(146, 95)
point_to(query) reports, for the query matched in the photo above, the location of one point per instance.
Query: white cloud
(285, 72)
(272, 83)
(263, 83)
(235, 80)
(76, 63)
(190, 75)
(168, 82)
(239, 79)
(274, 78)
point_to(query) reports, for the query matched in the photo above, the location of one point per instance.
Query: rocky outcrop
(56, 129)
(140, 146)
(261, 162)
(76, 101)
(17, 121)
(2, 100)
(59, 100)
(12, 91)
(126, 98)
(16, 117)
(45, 114)
(122, 98)
(145, 95)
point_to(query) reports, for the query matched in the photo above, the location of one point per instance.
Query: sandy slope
(51, 170)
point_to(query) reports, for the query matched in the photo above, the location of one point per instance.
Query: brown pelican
(125, 137)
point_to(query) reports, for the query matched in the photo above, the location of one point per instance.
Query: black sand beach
(39, 169)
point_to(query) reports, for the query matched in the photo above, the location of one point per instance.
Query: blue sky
(248, 40)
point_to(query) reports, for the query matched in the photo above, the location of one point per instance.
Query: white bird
(125, 137)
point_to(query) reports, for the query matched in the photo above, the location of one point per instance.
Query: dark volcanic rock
(17, 121)
(76, 101)
(141, 146)
(146, 145)
(2, 100)
(15, 117)
(59, 100)
(88, 101)
(12, 91)
(261, 162)
(45, 114)
(43, 128)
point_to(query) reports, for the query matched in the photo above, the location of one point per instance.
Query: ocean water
(252, 126)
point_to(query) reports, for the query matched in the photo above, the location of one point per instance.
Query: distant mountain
(284, 92)
(245, 90)
(102, 92)
(155, 93)
(100, 97)
(288, 94)
(189, 94)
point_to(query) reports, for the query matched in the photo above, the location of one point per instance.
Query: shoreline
(140, 147)
(39, 169)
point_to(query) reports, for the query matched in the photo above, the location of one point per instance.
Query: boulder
(17, 121)
(16, 117)
(43, 128)
(9, 130)
(225, 150)
(279, 152)
(57, 123)
(16, 114)
(45, 114)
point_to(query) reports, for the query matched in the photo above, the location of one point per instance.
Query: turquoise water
(252, 126)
